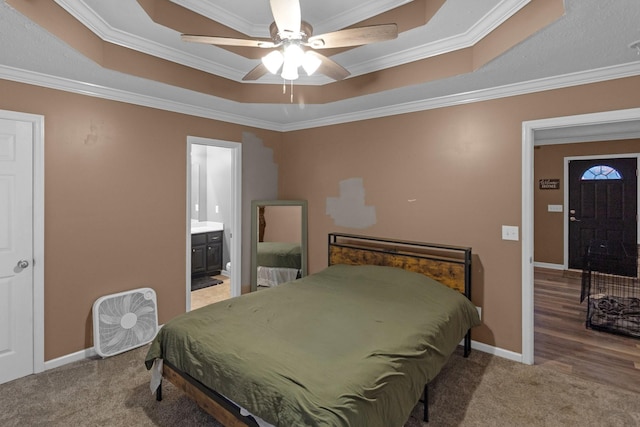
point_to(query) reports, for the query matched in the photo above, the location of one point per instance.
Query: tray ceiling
(447, 52)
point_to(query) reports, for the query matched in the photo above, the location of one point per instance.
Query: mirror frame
(254, 234)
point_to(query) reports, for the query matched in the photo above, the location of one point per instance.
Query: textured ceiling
(590, 42)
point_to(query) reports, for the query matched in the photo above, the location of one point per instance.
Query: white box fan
(124, 321)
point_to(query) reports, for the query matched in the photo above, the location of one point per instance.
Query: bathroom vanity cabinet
(206, 253)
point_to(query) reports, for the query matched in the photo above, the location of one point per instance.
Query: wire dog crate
(610, 286)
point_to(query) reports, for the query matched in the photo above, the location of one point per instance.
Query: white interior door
(16, 250)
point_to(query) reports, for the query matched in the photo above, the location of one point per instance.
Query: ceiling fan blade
(330, 68)
(259, 71)
(227, 41)
(287, 15)
(354, 36)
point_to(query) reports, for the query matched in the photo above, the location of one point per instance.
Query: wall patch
(349, 209)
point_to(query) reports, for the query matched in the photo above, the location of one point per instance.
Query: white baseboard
(70, 358)
(90, 353)
(87, 353)
(496, 351)
(549, 265)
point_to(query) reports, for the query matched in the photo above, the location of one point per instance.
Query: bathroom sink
(205, 226)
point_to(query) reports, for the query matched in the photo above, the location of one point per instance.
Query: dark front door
(602, 211)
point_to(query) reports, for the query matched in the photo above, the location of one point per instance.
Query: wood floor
(212, 294)
(564, 343)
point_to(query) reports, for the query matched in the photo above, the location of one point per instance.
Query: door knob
(23, 263)
(573, 219)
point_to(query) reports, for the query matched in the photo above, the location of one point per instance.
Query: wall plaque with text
(549, 184)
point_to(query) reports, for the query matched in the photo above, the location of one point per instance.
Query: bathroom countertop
(205, 226)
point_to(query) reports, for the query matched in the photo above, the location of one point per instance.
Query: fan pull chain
(284, 89)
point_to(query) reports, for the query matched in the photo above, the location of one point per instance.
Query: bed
(368, 334)
(278, 262)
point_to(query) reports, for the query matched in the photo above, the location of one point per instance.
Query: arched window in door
(600, 172)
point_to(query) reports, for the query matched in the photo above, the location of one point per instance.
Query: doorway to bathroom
(213, 221)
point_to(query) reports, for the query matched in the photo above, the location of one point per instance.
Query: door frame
(37, 123)
(608, 125)
(566, 194)
(235, 251)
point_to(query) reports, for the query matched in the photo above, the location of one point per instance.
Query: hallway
(564, 343)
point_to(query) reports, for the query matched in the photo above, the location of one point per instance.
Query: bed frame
(450, 265)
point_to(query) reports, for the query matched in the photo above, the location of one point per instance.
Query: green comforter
(348, 346)
(279, 254)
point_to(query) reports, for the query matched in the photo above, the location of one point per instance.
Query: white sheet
(274, 276)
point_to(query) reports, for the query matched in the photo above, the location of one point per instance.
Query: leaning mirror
(278, 242)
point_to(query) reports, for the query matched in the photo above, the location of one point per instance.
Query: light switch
(510, 232)
(554, 208)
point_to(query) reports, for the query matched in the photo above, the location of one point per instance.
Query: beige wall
(115, 207)
(461, 164)
(115, 203)
(549, 163)
(284, 224)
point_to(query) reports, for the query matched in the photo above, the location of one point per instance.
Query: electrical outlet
(479, 312)
(510, 232)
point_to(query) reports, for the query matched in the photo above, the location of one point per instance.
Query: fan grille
(124, 321)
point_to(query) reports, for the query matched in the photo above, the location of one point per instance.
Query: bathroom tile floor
(211, 294)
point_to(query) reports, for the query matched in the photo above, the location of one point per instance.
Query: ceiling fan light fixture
(273, 61)
(293, 53)
(310, 63)
(289, 70)
(291, 36)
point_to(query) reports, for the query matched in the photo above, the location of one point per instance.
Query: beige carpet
(479, 391)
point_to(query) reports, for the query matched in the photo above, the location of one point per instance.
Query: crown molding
(356, 14)
(231, 20)
(223, 106)
(89, 89)
(89, 18)
(492, 20)
(238, 23)
(532, 86)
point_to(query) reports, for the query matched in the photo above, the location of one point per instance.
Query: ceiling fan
(293, 45)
